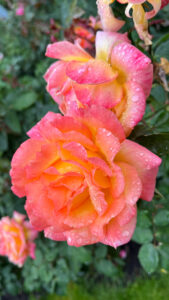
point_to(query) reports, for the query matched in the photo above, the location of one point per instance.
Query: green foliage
(148, 257)
(149, 289)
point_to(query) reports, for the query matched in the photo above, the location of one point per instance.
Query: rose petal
(106, 94)
(116, 235)
(115, 206)
(105, 41)
(134, 106)
(133, 185)
(82, 216)
(67, 51)
(92, 72)
(80, 237)
(96, 116)
(134, 65)
(145, 162)
(108, 144)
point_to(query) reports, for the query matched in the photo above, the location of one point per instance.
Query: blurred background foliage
(24, 101)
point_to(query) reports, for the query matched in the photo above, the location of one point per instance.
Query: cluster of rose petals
(119, 78)
(16, 238)
(82, 178)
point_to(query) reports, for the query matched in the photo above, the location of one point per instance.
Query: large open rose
(119, 78)
(16, 238)
(82, 179)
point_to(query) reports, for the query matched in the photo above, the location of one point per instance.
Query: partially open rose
(119, 78)
(82, 179)
(16, 238)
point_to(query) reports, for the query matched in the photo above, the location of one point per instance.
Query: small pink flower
(20, 10)
(123, 254)
(16, 239)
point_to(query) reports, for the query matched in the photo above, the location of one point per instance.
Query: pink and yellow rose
(16, 238)
(82, 178)
(119, 78)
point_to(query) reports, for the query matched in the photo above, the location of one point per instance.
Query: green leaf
(162, 218)
(143, 219)
(12, 121)
(24, 101)
(149, 258)
(106, 268)
(3, 141)
(68, 8)
(158, 93)
(157, 143)
(164, 256)
(163, 50)
(81, 254)
(142, 235)
(101, 251)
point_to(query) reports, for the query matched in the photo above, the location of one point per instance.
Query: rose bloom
(119, 78)
(16, 239)
(82, 178)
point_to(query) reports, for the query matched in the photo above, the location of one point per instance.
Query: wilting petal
(92, 72)
(145, 162)
(67, 51)
(156, 4)
(141, 23)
